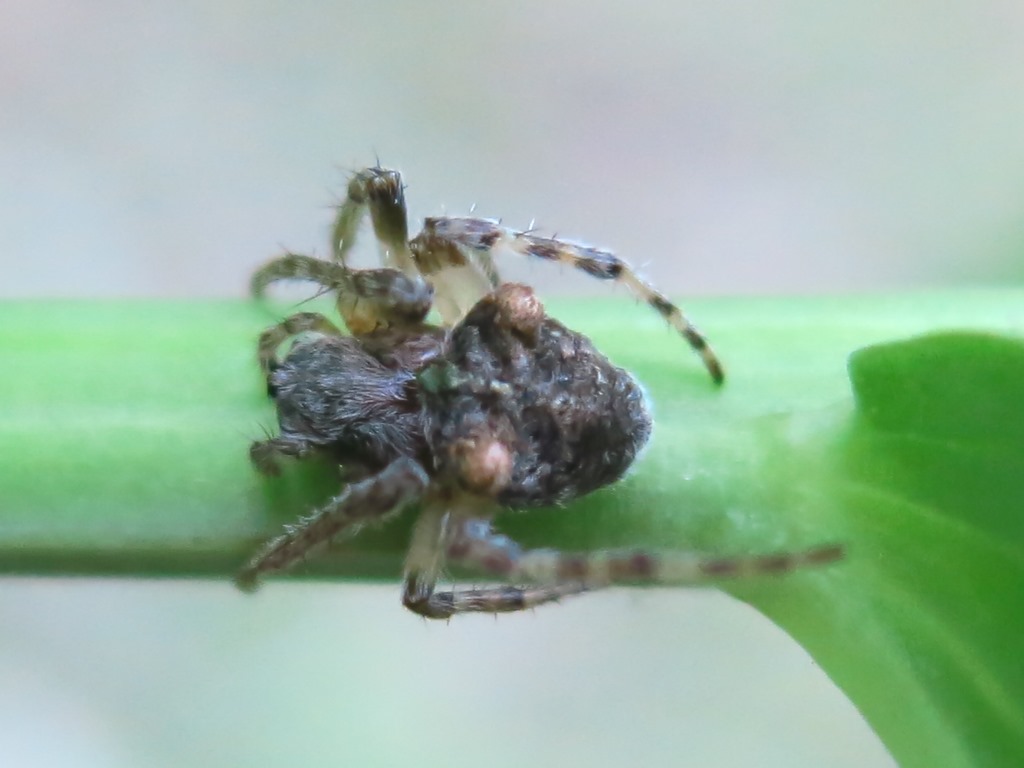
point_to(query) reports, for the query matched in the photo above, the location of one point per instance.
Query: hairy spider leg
(425, 560)
(434, 253)
(375, 499)
(485, 235)
(472, 543)
(301, 322)
(379, 190)
(367, 299)
(460, 276)
(447, 603)
(264, 454)
(459, 279)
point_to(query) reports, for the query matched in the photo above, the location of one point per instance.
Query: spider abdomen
(570, 420)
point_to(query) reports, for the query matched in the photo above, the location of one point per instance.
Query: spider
(497, 407)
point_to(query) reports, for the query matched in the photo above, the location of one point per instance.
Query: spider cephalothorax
(497, 407)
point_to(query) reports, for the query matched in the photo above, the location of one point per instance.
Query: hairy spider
(498, 407)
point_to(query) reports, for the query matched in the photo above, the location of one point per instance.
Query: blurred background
(781, 146)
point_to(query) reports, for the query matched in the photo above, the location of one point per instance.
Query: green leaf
(124, 430)
(932, 481)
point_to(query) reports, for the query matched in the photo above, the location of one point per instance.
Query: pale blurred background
(765, 147)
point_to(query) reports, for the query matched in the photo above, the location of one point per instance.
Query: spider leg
(367, 299)
(275, 335)
(295, 266)
(264, 454)
(473, 544)
(424, 562)
(379, 190)
(444, 605)
(460, 275)
(372, 500)
(484, 235)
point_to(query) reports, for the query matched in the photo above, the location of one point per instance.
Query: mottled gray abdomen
(572, 421)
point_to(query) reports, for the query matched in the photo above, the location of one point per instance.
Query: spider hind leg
(374, 499)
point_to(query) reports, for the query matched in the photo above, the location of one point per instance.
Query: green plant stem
(124, 429)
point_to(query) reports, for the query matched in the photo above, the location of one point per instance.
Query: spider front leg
(444, 605)
(372, 500)
(367, 299)
(264, 454)
(473, 544)
(424, 562)
(483, 236)
(275, 335)
(381, 191)
(460, 274)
